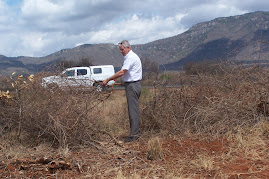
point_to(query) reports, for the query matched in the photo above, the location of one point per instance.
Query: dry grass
(154, 150)
(208, 127)
(203, 162)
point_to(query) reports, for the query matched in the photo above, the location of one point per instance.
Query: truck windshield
(70, 73)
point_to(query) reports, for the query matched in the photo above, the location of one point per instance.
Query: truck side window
(97, 70)
(82, 72)
(70, 73)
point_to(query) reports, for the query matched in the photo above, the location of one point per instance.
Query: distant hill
(235, 38)
(242, 38)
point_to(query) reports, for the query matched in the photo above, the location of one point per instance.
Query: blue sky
(41, 27)
(13, 2)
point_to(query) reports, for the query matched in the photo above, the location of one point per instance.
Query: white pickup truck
(81, 77)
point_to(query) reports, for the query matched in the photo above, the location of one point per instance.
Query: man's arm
(114, 77)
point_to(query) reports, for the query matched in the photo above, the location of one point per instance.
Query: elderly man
(131, 74)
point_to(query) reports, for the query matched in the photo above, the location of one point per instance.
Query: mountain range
(242, 38)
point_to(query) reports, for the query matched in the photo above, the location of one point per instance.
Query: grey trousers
(133, 91)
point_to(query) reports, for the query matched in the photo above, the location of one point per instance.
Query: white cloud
(39, 8)
(207, 12)
(139, 30)
(33, 41)
(5, 13)
(41, 27)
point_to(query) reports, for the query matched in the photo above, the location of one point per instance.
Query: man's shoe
(130, 138)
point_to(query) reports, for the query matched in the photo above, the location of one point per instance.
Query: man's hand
(104, 83)
(113, 77)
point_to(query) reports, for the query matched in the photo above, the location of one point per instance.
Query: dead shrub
(4, 86)
(212, 104)
(63, 117)
(61, 65)
(150, 71)
(205, 67)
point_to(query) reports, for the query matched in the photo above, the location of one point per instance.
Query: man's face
(124, 50)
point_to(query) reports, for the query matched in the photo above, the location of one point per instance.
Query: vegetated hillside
(237, 37)
(6, 62)
(240, 38)
(99, 54)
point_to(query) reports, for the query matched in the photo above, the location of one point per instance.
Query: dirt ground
(180, 158)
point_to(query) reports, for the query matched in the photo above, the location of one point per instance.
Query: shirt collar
(128, 54)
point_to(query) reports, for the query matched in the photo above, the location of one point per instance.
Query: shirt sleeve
(126, 64)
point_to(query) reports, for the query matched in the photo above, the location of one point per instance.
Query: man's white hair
(124, 43)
